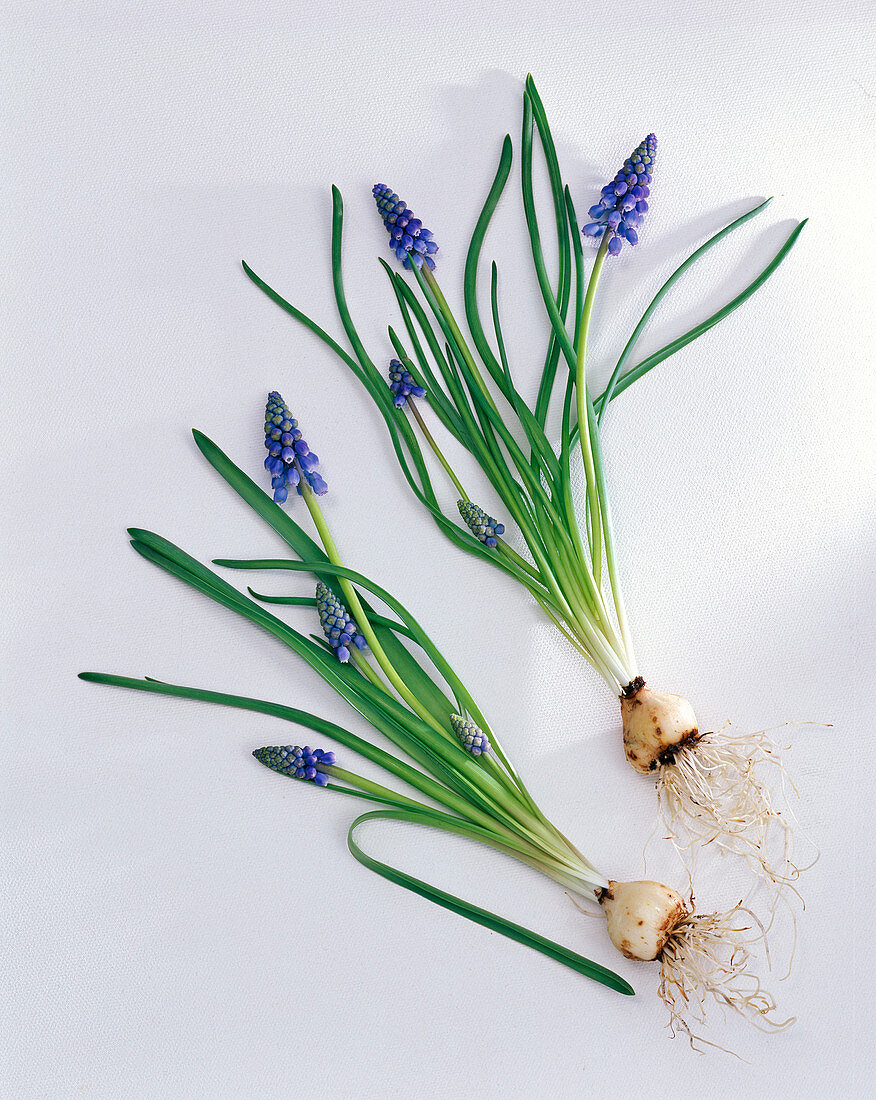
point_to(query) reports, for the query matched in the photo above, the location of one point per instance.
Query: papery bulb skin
(655, 725)
(641, 916)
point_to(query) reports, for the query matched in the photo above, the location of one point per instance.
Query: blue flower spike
(411, 243)
(402, 384)
(624, 201)
(289, 457)
(471, 737)
(338, 627)
(481, 525)
(297, 762)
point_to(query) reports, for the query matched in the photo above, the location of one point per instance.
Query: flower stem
(362, 663)
(358, 613)
(436, 449)
(583, 414)
(464, 350)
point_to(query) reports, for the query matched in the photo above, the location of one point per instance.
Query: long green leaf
(664, 290)
(564, 955)
(563, 232)
(641, 369)
(305, 547)
(472, 312)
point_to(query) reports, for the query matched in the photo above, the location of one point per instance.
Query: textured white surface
(178, 922)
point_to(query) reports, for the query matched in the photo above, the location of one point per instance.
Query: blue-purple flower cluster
(297, 762)
(407, 238)
(402, 383)
(625, 200)
(338, 627)
(288, 454)
(481, 525)
(472, 737)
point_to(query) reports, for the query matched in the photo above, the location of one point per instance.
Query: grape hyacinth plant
(289, 458)
(402, 384)
(712, 787)
(481, 525)
(411, 243)
(297, 762)
(619, 213)
(442, 747)
(338, 627)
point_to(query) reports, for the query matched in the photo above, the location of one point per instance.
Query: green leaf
(564, 955)
(663, 291)
(563, 231)
(470, 296)
(641, 369)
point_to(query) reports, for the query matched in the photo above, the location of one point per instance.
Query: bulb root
(708, 956)
(713, 792)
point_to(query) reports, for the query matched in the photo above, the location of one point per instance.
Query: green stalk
(432, 283)
(435, 448)
(583, 882)
(583, 414)
(384, 794)
(358, 611)
(361, 662)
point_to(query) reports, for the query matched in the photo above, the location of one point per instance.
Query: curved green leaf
(564, 955)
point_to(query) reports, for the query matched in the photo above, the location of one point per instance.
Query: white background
(179, 922)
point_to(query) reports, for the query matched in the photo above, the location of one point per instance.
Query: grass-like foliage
(410, 695)
(570, 561)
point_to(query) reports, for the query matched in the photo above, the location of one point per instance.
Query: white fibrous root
(708, 956)
(713, 791)
(711, 787)
(702, 956)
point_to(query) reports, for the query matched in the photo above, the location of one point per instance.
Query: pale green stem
(364, 784)
(364, 666)
(583, 412)
(357, 612)
(591, 658)
(436, 449)
(432, 283)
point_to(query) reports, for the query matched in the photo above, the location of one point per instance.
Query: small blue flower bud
(481, 525)
(296, 762)
(472, 737)
(338, 627)
(623, 202)
(288, 453)
(411, 243)
(316, 483)
(402, 383)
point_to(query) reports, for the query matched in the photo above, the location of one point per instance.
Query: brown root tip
(633, 688)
